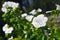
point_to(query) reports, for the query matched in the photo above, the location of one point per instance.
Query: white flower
(39, 21)
(29, 17)
(24, 15)
(57, 7)
(9, 4)
(10, 38)
(33, 12)
(9, 30)
(6, 29)
(48, 11)
(39, 10)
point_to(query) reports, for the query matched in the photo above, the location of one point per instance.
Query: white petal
(4, 10)
(9, 30)
(48, 11)
(24, 15)
(58, 7)
(9, 4)
(15, 5)
(45, 19)
(10, 38)
(5, 27)
(33, 12)
(29, 17)
(41, 15)
(4, 5)
(35, 23)
(44, 24)
(39, 10)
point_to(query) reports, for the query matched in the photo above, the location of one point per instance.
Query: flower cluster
(9, 4)
(6, 29)
(38, 21)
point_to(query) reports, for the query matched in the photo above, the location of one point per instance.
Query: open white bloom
(57, 7)
(39, 10)
(10, 38)
(29, 17)
(39, 21)
(9, 4)
(6, 29)
(24, 15)
(33, 12)
(48, 11)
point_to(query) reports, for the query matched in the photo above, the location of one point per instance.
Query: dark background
(43, 4)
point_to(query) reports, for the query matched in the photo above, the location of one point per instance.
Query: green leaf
(4, 15)
(11, 19)
(43, 37)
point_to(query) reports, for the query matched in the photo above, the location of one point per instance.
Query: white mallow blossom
(9, 4)
(39, 10)
(10, 38)
(57, 7)
(24, 15)
(6, 29)
(48, 11)
(33, 12)
(29, 17)
(39, 21)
